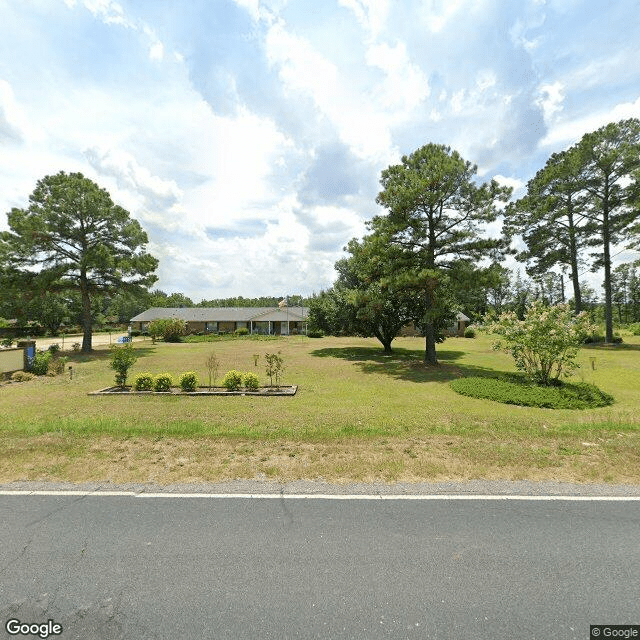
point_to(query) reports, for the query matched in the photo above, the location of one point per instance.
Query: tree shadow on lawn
(601, 346)
(104, 354)
(406, 364)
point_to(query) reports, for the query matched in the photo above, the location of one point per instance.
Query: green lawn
(358, 415)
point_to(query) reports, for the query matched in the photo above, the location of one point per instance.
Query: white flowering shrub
(545, 344)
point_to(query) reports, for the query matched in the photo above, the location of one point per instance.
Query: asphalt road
(108, 567)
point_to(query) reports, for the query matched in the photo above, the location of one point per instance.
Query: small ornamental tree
(274, 367)
(213, 366)
(122, 359)
(545, 343)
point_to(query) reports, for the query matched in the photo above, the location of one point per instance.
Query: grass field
(358, 416)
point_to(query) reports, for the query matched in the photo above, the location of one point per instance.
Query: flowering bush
(545, 344)
(143, 382)
(232, 380)
(250, 381)
(189, 381)
(162, 382)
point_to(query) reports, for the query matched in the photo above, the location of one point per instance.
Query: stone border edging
(265, 392)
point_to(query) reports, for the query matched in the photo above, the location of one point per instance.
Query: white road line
(318, 496)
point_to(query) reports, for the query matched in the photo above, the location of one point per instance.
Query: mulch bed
(202, 391)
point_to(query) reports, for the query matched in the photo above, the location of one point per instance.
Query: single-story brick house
(456, 329)
(265, 320)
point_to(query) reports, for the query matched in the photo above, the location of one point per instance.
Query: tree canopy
(436, 217)
(73, 237)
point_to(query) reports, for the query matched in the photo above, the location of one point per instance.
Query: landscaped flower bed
(288, 390)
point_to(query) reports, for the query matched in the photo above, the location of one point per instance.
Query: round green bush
(39, 364)
(189, 381)
(143, 382)
(318, 333)
(243, 331)
(469, 332)
(163, 382)
(232, 380)
(250, 381)
(518, 390)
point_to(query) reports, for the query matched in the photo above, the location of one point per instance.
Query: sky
(248, 136)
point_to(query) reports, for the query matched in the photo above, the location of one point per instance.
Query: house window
(211, 327)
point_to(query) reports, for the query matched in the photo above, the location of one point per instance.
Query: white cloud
(14, 125)
(130, 174)
(518, 185)
(371, 14)
(568, 131)
(438, 13)
(551, 97)
(405, 86)
(305, 71)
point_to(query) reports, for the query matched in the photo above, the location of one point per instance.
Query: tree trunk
(86, 316)
(430, 356)
(573, 257)
(608, 303)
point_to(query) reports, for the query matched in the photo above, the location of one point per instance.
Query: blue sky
(248, 136)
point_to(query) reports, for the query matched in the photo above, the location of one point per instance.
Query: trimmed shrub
(163, 382)
(316, 333)
(22, 376)
(469, 332)
(143, 382)
(189, 381)
(518, 390)
(251, 381)
(232, 380)
(39, 364)
(243, 331)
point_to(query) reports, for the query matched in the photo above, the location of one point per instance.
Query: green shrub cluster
(634, 328)
(518, 390)
(469, 332)
(143, 382)
(39, 364)
(6, 342)
(251, 381)
(232, 380)
(315, 333)
(122, 359)
(243, 331)
(163, 382)
(189, 381)
(169, 329)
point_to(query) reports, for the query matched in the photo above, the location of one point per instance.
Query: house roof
(461, 317)
(223, 314)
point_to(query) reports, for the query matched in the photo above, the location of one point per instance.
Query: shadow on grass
(601, 346)
(406, 364)
(105, 354)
